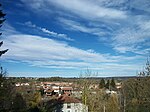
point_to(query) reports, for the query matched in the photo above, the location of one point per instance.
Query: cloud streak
(47, 53)
(133, 38)
(76, 26)
(85, 9)
(35, 48)
(118, 15)
(51, 33)
(120, 28)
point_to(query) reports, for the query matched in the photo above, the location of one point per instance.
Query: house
(70, 104)
(22, 84)
(67, 90)
(107, 91)
(77, 93)
(54, 90)
(46, 85)
(118, 85)
(57, 89)
(49, 92)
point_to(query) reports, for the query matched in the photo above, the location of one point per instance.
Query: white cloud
(76, 26)
(131, 39)
(8, 30)
(143, 5)
(127, 36)
(89, 9)
(145, 25)
(86, 9)
(128, 30)
(36, 49)
(124, 34)
(47, 53)
(52, 33)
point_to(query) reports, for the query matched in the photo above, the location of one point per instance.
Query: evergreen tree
(2, 19)
(145, 72)
(102, 83)
(107, 85)
(6, 86)
(147, 68)
(19, 104)
(112, 83)
(7, 91)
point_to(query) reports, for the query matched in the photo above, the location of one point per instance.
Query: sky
(66, 38)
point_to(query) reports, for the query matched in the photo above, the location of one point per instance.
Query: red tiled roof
(55, 88)
(67, 88)
(68, 99)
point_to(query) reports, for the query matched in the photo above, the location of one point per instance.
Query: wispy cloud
(47, 53)
(43, 52)
(39, 48)
(85, 9)
(76, 26)
(90, 9)
(123, 26)
(118, 15)
(51, 33)
(140, 5)
(125, 39)
(132, 38)
(8, 30)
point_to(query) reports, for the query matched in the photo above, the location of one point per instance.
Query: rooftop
(68, 99)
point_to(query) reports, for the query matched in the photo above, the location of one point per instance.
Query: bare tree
(135, 92)
(97, 99)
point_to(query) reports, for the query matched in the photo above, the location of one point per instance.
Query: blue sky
(66, 37)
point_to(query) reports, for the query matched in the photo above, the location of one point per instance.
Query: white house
(70, 104)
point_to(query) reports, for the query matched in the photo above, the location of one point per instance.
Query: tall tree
(107, 85)
(19, 104)
(6, 86)
(146, 71)
(147, 68)
(102, 83)
(7, 91)
(136, 96)
(2, 19)
(112, 104)
(112, 83)
(135, 92)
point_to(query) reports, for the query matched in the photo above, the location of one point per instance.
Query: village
(68, 94)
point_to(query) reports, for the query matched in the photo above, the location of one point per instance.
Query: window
(76, 104)
(68, 105)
